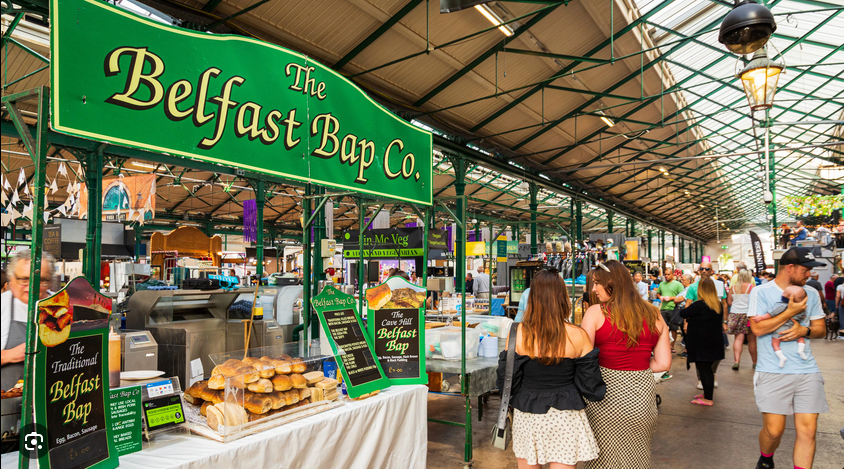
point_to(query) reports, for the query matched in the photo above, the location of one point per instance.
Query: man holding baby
(788, 380)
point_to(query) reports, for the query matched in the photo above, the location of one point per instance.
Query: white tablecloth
(386, 431)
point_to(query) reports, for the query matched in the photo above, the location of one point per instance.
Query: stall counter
(387, 430)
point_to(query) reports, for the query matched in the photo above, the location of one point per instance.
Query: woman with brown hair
(633, 339)
(555, 368)
(704, 342)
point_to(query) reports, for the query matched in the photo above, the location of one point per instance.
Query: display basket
(268, 387)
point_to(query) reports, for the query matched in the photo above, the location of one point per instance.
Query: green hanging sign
(124, 79)
(396, 324)
(355, 358)
(71, 371)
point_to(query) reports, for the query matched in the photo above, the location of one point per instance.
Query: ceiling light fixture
(494, 19)
(144, 165)
(747, 28)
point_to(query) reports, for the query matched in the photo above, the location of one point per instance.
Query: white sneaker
(716, 382)
(699, 386)
(841, 337)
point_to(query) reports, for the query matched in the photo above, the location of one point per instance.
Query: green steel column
(139, 232)
(94, 182)
(661, 255)
(609, 221)
(534, 191)
(422, 271)
(37, 149)
(459, 166)
(674, 247)
(306, 266)
(650, 241)
(260, 200)
(361, 267)
(579, 219)
(317, 268)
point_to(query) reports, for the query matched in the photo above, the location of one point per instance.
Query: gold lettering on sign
(136, 77)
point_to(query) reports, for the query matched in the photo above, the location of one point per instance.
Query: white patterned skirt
(625, 420)
(561, 436)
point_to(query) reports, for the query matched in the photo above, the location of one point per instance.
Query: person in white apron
(13, 304)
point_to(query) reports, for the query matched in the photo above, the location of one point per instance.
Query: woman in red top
(633, 341)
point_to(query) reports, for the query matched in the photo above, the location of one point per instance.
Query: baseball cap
(800, 256)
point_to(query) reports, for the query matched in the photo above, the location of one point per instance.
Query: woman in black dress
(704, 343)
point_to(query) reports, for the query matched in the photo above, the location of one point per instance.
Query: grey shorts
(790, 394)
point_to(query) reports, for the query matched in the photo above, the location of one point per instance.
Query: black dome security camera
(747, 28)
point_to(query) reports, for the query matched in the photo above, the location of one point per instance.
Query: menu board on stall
(396, 325)
(71, 379)
(126, 424)
(355, 357)
(635, 265)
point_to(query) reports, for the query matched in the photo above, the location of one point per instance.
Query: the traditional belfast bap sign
(128, 80)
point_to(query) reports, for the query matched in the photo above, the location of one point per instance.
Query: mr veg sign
(124, 79)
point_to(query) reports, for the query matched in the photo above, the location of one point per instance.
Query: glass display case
(260, 388)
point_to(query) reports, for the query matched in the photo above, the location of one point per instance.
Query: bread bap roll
(217, 382)
(317, 394)
(331, 395)
(304, 393)
(262, 385)
(217, 397)
(298, 366)
(236, 368)
(313, 377)
(214, 418)
(282, 367)
(204, 409)
(377, 297)
(251, 417)
(291, 397)
(264, 369)
(284, 356)
(327, 383)
(299, 381)
(196, 389)
(282, 383)
(257, 403)
(193, 400)
(233, 414)
(278, 400)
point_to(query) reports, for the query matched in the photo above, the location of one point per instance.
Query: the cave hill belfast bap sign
(128, 80)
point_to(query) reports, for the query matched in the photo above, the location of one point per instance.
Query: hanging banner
(355, 359)
(228, 100)
(125, 198)
(396, 324)
(71, 379)
(758, 254)
(389, 243)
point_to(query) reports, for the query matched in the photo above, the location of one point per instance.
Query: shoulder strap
(508, 376)
(749, 286)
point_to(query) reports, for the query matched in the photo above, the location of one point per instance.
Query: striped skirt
(624, 421)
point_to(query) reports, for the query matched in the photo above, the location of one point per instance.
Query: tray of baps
(269, 390)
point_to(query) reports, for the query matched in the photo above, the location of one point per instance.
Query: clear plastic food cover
(260, 389)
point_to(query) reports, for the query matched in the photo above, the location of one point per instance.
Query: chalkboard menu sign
(355, 358)
(53, 240)
(397, 328)
(71, 379)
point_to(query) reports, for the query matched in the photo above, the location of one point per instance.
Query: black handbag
(501, 432)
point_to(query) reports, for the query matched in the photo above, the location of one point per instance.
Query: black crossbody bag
(502, 431)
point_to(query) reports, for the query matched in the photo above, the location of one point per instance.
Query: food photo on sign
(396, 324)
(71, 378)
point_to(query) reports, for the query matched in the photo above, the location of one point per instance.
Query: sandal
(699, 396)
(673, 351)
(699, 401)
(735, 366)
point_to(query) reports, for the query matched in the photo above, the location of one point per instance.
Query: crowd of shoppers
(588, 394)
